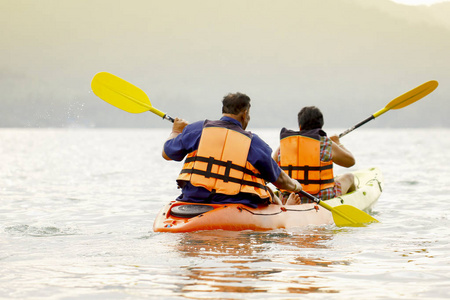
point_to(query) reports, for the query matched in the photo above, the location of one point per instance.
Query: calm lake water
(77, 208)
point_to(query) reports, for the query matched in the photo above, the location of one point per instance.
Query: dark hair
(235, 103)
(310, 117)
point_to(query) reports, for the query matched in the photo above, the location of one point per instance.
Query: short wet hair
(235, 103)
(310, 117)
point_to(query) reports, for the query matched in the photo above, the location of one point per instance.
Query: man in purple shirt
(185, 139)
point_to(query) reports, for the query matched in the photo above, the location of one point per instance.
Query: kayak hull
(236, 217)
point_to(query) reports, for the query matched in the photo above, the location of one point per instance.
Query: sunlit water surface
(77, 208)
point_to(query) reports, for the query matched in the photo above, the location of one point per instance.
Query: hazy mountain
(349, 57)
(434, 15)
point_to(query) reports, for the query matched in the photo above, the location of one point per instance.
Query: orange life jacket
(220, 163)
(300, 159)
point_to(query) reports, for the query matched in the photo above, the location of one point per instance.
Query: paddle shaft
(400, 102)
(158, 112)
(311, 197)
(325, 205)
(167, 117)
(357, 125)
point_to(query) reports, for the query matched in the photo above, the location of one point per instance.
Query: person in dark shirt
(224, 162)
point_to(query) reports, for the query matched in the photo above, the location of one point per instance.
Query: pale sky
(419, 2)
(350, 58)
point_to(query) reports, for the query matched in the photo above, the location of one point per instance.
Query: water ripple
(39, 231)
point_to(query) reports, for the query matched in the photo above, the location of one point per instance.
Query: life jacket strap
(228, 165)
(306, 170)
(226, 176)
(310, 181)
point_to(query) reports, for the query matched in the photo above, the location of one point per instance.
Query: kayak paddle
(130, 98)
(344, 215)
(400, 102)
(123, 95)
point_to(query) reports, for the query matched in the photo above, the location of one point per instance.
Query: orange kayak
(185, 217)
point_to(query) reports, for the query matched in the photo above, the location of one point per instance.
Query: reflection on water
(247, 243)
(77, 209)
(256, 262)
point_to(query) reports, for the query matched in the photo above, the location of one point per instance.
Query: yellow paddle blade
(120, 93)
(399, 102)
(409, 97)
(347, 215)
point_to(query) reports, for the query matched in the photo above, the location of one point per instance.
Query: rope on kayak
(378, 183)
(316, 208)
(282, 209)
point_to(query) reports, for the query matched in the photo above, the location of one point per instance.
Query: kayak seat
(190, 211)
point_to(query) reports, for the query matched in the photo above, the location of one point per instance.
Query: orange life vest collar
(313, 133)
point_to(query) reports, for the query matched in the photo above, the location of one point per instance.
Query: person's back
(307, 155)
(224, 163)
(304, 159)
